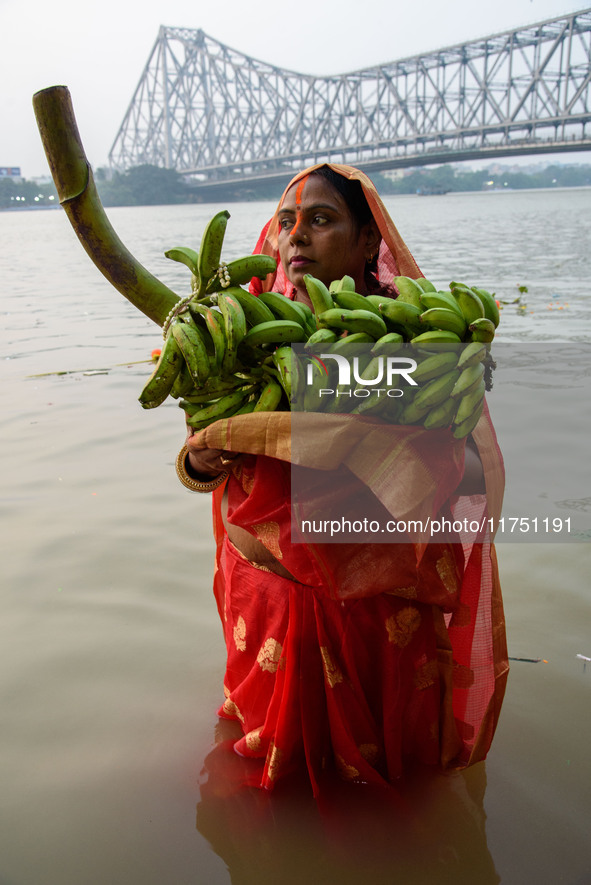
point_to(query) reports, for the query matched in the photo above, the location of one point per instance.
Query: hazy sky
(99, 50)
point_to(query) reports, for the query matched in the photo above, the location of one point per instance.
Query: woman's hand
(209, 462)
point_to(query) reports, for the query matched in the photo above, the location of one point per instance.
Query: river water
(114, 766)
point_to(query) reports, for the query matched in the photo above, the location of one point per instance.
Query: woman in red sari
(365, 658)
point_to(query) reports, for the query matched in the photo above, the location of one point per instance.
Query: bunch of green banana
(450, 332)
(224, 348)
(227, 351)
(425, 315)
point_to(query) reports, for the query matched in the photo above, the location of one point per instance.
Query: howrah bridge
(222, 117)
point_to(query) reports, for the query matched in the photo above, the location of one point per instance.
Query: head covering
(394, 257)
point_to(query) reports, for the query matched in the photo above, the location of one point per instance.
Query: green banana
(409, 291)
(469, 403)
(286, 363)
(161, 381)
(401, 317)
(319, 295)
(193, 350)
(274, 332)
(482, 329)
(346, 284)
(322, 336)
(220, 408)
(183, 383)
(412, 414)
(441, 415)
(234, 329)
(425, 284)
(216, 328)
(435, 366)
(197, 311)
(283, 308)
(443, 318)
(377, 300)
(437, 390)
(309, 315)
(246, 408)
(214, 388)
(388, 344)
(270, 397)
(350, 342)
(469, 302)
(354, 321)
(353, 301)
(468, 380)
(371, 405)
(310, 399)
(440, 299)
(240, 271)
(211, 249)
(465, 427)
(188, 257)
(255, 311)
(491, 308)
(471, 354)
(437, 340)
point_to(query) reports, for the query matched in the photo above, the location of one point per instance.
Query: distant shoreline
(492, 192)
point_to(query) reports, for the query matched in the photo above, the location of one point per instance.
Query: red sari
(375, 656)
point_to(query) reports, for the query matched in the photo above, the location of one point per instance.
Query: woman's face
(318, 235)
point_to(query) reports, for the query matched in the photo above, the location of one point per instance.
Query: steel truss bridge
(211, 112)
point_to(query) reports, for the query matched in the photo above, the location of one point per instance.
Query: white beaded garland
(173, 312)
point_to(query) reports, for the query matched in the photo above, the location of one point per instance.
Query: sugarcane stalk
(78, 196)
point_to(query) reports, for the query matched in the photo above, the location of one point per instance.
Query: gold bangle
(196, 485)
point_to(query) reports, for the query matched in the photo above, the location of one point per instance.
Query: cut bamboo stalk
(79, 197)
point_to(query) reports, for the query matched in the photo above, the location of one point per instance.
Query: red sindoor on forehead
(298, 202)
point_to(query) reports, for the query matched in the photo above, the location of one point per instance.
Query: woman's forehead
(312, 190)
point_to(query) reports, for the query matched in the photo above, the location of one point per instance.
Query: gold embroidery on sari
(253, 739)
(331, 671)
(261, 568)
(274, 760)
(426, 675)
(446, 569)
(405, 592)
(401, 627)
(268, 534)
(370, 752)
(226, 691)
(463, 677)
(231, 709)
(349, 772)
(269, 655)
(247, 480)
(240, 634)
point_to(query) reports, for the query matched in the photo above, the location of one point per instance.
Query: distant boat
(435, 190)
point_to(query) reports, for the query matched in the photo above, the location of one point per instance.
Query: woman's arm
(473, 479)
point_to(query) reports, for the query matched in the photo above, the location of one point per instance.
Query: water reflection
(431, 831)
